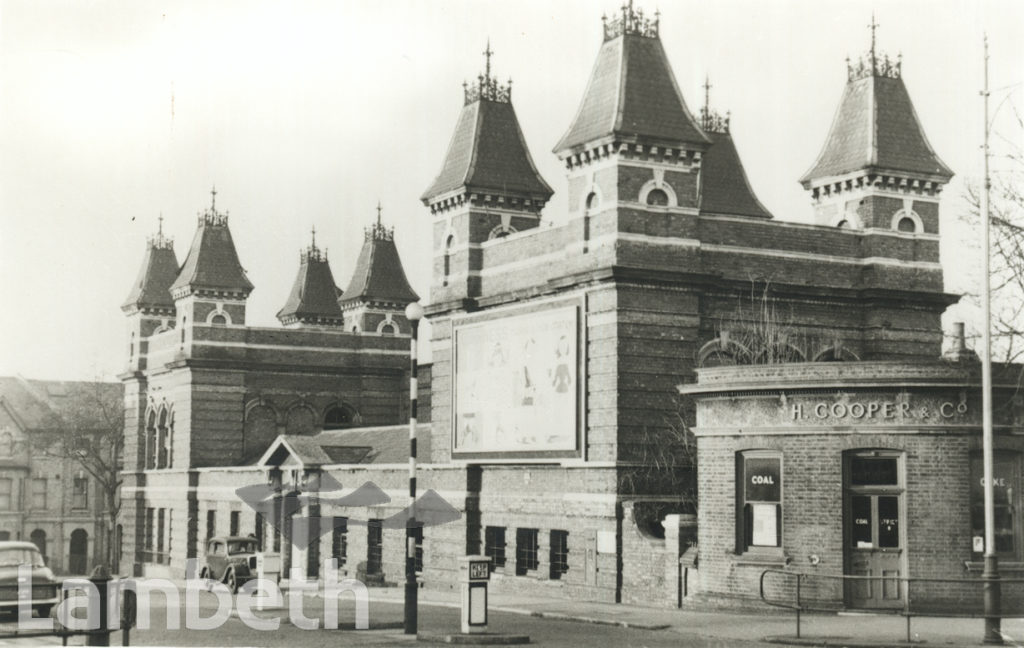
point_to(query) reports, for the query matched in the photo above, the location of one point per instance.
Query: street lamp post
(413, 313)
(990, 573)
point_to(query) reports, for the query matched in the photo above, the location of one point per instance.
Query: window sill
(975, 567)
(761, 558)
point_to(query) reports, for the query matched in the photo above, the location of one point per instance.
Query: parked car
(230, 560)
(45, 588)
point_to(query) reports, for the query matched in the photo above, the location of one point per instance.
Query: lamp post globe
(414, 312)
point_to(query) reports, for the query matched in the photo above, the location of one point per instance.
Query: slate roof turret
(212, 263)
(632, 94)
(314, 295)
(379, 276)
(724, 187)
(151, 289)
(488, 153)
(876, 128)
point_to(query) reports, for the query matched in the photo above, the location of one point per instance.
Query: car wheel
(44, 611)
(231, 581)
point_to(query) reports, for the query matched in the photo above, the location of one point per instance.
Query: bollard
(100, 578)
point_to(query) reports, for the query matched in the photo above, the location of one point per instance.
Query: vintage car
(45, 588)
(230, 560)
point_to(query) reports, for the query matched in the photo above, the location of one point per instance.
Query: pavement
(755, 624)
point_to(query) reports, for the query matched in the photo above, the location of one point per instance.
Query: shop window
(759, 500)
(1006, 486)
(526, 551)
(494, 545)
(235, 522)
(559, 550)
(339, 540)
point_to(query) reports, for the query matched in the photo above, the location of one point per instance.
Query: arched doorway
(78, 554)
(38, 538)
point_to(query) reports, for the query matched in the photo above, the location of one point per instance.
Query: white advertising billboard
(516, 384)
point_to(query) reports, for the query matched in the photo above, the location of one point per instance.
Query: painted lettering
(762, 479)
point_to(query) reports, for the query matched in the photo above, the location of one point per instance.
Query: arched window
(131, 348)
(449, 242)
(300, 420)
(387, 328)
(150, 451)
(906, 224)
(843, 224)
(657, 197)
(592, 201)
(170, 440)
(259, 431)
(338, 417)
(218, 320)
(161, 440)
(184, 320)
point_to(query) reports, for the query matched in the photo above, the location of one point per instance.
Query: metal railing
(931, 602)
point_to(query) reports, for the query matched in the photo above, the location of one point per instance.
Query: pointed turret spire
(876, 128)
(151, 290)
(724, 187)
(488, 155)
(877, 169)
(314, 296)
(212, 263)
(378, 280)
(632, 94)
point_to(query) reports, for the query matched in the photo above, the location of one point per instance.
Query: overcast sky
(308, 113)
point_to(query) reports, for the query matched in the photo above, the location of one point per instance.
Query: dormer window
(657, 198)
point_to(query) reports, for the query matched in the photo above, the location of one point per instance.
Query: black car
(230, 560)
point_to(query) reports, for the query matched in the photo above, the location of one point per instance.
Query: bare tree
(1007, 235)
(86, 426)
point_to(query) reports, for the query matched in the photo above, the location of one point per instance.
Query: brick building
(557, 348)
(47, 496)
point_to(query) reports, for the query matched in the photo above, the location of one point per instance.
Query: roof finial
(160, 241)
(487, 87)
(377, 231)
(487, 55)
(213, 202)
(631, 21)
(707, 93)
(313, 237)
(873, 26)
(378, 212)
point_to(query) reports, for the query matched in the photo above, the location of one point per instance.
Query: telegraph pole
(990, 574)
